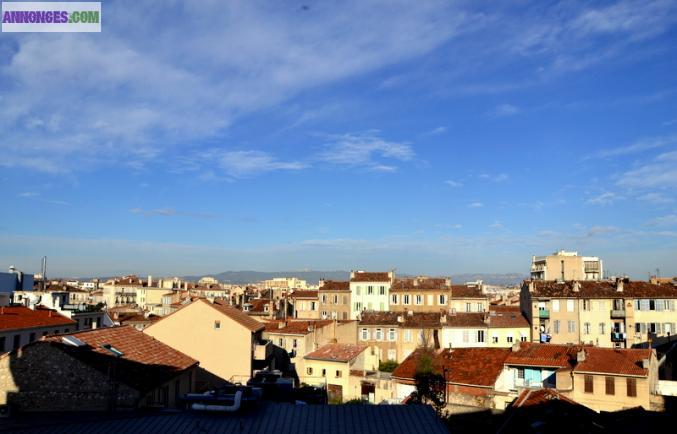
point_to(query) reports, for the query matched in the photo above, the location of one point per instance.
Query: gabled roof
(470, 366)
(532, 397)
(337, 352)
(614, 361)
(545, 355)
(21, 317)
(601, 289)
(334, 285)
(235, 314)
(507, 318)
(465, 291)
(304, 294)
(145, 363)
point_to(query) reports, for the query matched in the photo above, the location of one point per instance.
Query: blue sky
(441, 137)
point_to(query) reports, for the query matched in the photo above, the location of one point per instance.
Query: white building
(370, 291)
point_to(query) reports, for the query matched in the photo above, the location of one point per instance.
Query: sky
(430, 137)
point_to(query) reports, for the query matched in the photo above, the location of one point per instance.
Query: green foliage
(430, 384)
(388, 366)
(356, 401)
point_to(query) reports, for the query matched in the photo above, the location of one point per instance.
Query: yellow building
(619, 313)
(563, 265)
(306, 304)
(330, 366)
(334, 298)
(147, 298)
(227, 342)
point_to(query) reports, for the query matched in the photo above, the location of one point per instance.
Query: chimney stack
(619, 285)
(576, 286)
(531, 286)
(580, 356)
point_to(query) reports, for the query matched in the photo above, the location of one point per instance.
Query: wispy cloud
(244, 163)
(660, 173)
(475, 205)
(172, 212)
(639, 146)
(504, 110)
(496, 225)
(604, 198)
(666, 220)
(497, 177)
(437, 131)
(37, 197)
(452, 183)
(366, 150)
(656, 198)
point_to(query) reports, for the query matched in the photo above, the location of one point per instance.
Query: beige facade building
(563, 265)
(616, 314)
(424, 294)
(227, 342)
(306, 304)
(370, 291)
(334, 298)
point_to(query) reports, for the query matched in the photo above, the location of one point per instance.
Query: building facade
(334, 298)
(564, 265)
(370, 291)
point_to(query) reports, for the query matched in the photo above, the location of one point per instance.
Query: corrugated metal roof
(267, 419)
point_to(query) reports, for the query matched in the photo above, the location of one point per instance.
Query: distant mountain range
(314, 276)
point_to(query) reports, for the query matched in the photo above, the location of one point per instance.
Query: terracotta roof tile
(333, 285)
(337, 352)
(295, 327)
(471, 366)
(415, 320)
(420, 284)
(547, 355)
(464, 291)
(236, 315)
(21, 317)
(603, 289)
(508, 319)
(365, 276)
(614, 361)
(146, 363)
(304, 294)
(536, 397)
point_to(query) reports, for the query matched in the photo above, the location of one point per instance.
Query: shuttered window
(632, 386)
(610, 386)
(589, 384)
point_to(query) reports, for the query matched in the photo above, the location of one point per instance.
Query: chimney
(577, 286)
(447, 281)
(516, 347)
(580, 356)
(150, 280)
(322, 283)
(282, 324)
(645, 363)
(400, 318)
(410, 313)
(531, 286)
(443, 319)
(619, 285)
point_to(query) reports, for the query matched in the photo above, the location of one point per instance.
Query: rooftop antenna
(44, 272)
(658, 273)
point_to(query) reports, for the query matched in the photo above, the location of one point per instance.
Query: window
(589, 384)
(586, 328)
(570, 305)
(494, 339)
(324, 298)
(466, 336)
(335, 299)
(602, 327)
(358, 290)
(365, 334)
(587, 305)
(324, 314)
(17, 341)
(520, 373)
(407, 336)
(392, 334)
(509, 339)
(217, 324)
(419, 299)
(393, 298)
(610, 385)
(571, 326)
(555, 305)
(324, 372)
(480, 307)
(442, 300)
(480, 336)
(468, 307)
(358, 306)
(392, 354)
(405, 299)
(382, 290)
(312, 305)
(338, 373)
(309, 370)
(555, 326)
(523, 338)
(379, 334)
(631, 387)
(280, 342)
(294, 343)
(370, 290)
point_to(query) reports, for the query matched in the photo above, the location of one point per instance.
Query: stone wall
(41, 377)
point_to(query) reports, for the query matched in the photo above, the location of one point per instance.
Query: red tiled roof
(20, 317)
(303, 294)
(464, 291)
(365, 276)
(415, 320)
(420, 284)
(603, 289)
(333, 285)
(508, 319)
(471, 366)
(548, 355)
(466, 319)
(237, 315)
(258, 305)
(146, 363)
(337, 352)
(614, 361)
(295, 327)
(536, 397)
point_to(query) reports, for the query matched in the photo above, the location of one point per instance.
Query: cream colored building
(334, 298)
(149, 297)
(424, 294)
(331, 365)
(370, 291)
(564, 265)
(602, 313)
(227, 342)
(306, 304)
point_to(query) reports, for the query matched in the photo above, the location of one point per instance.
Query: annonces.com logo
(51, 16)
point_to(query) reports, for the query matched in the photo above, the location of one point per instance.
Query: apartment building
(334, 298)
(306, 304)
(565, 265)
(617, 314)
(20, 325)
(370, 291)
(420, 294)
(226, 341)
(121, 291)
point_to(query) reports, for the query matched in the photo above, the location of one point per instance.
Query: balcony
(617, 337)
(618, 313)
(544, 313)
(263, 350)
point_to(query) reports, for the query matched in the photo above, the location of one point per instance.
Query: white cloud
(171, 212)
(496, 225)
(475, 205)
(656, 198)
(639, 146)
(660, 173)
(452, 183)
(605, 198)
(437, 131)
(245, 163)
(498, 177)
(366, 150)
(504, 110)
(666, 220)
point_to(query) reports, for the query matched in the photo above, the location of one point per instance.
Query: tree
(430, 384)
(388, 366)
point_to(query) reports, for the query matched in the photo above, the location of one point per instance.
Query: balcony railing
(262, 350)
(544, 313)
(618, 313)
(617, 337)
